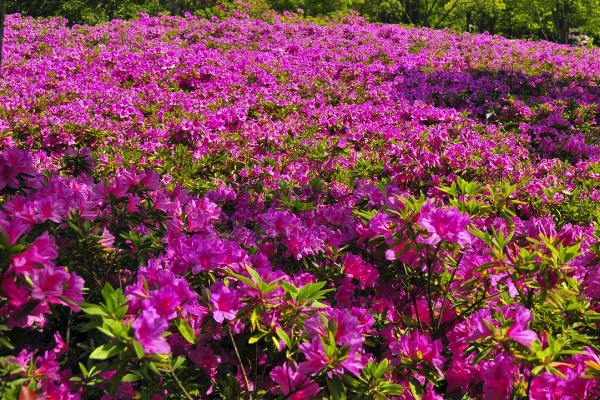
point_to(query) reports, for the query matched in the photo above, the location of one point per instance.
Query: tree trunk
(468, 28)
(2, 19)
(562, 19)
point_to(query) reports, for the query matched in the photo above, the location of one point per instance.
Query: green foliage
(99, 11)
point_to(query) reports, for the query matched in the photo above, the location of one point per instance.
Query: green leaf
(415, 387)
(336, 387)
(284, 337)
(256, 338)
(106, 351)
(482, 355)
(185, 329)
(131, 378)
(290, 289)
(139, 349)
(93, 309)
(537, 370)
(253, 274)
(244, 279)
(5, 343)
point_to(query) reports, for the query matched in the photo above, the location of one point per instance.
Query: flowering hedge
(239, 208)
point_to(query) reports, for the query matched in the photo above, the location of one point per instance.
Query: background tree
(478, 15)
(546, 19)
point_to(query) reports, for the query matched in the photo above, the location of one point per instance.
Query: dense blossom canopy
(239, 208)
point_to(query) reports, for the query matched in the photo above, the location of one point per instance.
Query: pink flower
(48, 282)
(420, 347)
(204, 357)
(149, 328)
(289, 379)
(165, 302)
(355, 267)
(499, 377)
(50, 208)
(447, 225)
(41, 252)
(518, 331)
(224, 302)
(143, 180)
(107, 240)
(316, 359)
(74, 290)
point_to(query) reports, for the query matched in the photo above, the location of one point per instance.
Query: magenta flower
(518, 331)
(47, 367)
(107, 240)
(41, 252)
(149, 328)
(289, 379)
(14, 162)
(316, 359)
(355, 267)
(544, 387)
(14, 229)
(48, 282)
(61, 347)
(165, 302)
(478, 328)
(204, 357)
(499, 377)
(74, 291)
(345, 293)
(447, 225)
(224, 302)
(278, 223)
(420, 347)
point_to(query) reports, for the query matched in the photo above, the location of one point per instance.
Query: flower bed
(272, 209)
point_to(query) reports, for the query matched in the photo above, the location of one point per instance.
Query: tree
(554, 19)
(480, 15)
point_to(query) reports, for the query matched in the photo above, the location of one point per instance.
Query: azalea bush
(288, 208)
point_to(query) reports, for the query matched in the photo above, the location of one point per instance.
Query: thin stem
(68, 334)
(185, 392)
(439, 321)
(428, 296)
(4, 383)
(237, 353)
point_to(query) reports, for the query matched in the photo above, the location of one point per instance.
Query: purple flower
(420, 348)
(165, 302)
(224, 302)
(289, 378)
(316, 359)
(355, 267)
(149, 328)
(518, 331)
(448, 225)
(48, 282)
(498, 377)
(41, 252)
